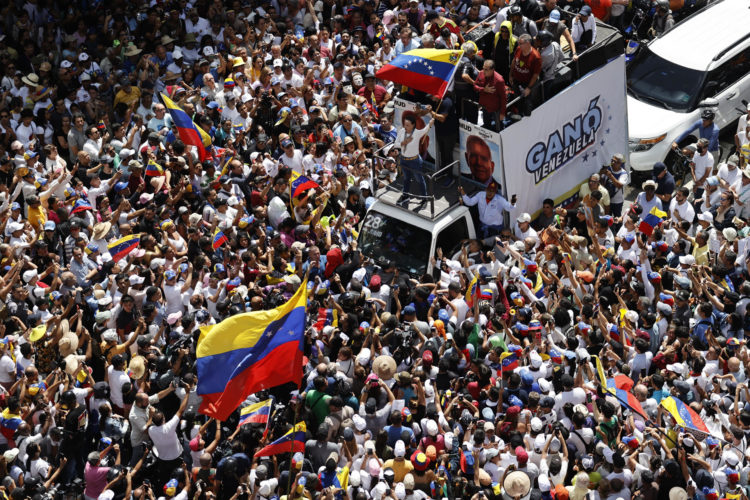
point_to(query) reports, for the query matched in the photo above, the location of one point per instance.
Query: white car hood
(646, 121)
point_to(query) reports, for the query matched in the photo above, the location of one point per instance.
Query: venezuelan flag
(555, 356)
(120, 248)
(620, 387)
(80, 205)
(291, 442)
(471, 291)
(651, 221)
(428, 70)
(301, 183)
(153, 169)
(225, 167)
(684, 415)
(219, 239)
(326, 317)
(9, 422)
(250, 352)
(190, 133)
(258, 413)
(509, 360)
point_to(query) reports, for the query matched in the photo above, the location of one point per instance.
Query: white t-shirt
(702, 164)
(575, 397)
(166, 444)
(7, 369)
(173, 297)
(116, 380)
(295, 162)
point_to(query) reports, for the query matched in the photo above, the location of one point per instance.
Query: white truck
(545, 155)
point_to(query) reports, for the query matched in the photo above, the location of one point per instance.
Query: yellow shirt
(400, 468)
(128, 98)
(701, 254)
(37, 218)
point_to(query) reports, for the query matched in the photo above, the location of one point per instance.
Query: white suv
(705, 57)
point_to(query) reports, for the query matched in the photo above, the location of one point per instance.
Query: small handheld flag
(291, 442)
(219, 239)
(123, 246)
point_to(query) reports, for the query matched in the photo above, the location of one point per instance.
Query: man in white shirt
(680, 208)
(94, 142)
(728, 173)
(570, 394)
(491, 206)
(292, 157)
(522, 229)
(703, 164)
(167, 446)
(117, 377)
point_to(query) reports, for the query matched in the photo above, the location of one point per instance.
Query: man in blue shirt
(706, 129)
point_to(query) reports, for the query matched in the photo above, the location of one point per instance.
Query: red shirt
(524, 67)
(379, 92)
(491, 101)
(600, 8)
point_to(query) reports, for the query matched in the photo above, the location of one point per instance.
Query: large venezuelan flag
(291, 442)
(428, 70)
(123, 246)
(684, 415)
(250, 352)
(190, 133)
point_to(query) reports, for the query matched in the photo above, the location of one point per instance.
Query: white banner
(550, 153)
(428, 144)
(480, 153)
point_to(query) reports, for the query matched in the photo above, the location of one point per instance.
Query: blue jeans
(488, 231)
(491, 120)
(413, 167)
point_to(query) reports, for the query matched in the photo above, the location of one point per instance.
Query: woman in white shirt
(36, 467)
(408, 140)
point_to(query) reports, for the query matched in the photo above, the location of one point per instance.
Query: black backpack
(101, 390)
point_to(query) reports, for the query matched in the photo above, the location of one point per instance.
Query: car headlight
(640, 145)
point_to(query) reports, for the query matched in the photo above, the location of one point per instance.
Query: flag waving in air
(258, 413)
(250, 352)
(651, 221)
(190, 133)
(123, 246)
(428, 70)
(291, 442)
(219, 239)
(684, 416)
(301, 183)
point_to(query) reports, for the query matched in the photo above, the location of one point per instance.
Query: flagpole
(291, 458)
(296, 408)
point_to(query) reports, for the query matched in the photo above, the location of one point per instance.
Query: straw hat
(31, 79)
(71, 364)
(169, 75)
(68, 345)
(65, 327)
(385, 367)
(101, 230)
(516, 484)
(99, 294)
(158, 182)
(166, 40)
(137, 367)
(132, 50)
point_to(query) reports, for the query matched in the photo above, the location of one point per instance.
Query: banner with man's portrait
(428, 144)
(480, 153)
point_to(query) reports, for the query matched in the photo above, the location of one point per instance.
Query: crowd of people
(475, 381)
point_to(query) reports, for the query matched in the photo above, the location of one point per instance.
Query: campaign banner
(480, 153)
(428, 144)
(552, 152)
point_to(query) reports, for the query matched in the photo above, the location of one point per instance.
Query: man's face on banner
(479, 159)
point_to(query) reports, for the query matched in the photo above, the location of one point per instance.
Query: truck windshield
(383, 237)
(657, 81)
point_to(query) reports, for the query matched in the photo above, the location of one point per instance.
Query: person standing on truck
(525, 71)
(584, 29)
(706, 129)
(615, 179)
(408, 141)
(491, 206)
(492, 96)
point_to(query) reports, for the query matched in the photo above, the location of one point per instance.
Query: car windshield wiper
(645, 97)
